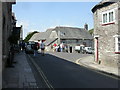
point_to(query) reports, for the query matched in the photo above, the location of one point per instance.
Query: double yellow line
(42, 74)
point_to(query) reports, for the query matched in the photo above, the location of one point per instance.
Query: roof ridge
(68, 27)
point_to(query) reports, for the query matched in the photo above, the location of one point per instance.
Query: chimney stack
(86, 26)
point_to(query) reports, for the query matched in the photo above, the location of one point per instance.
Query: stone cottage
(107, 32)
(70, 36)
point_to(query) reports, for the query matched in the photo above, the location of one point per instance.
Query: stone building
(5, 31)
(18, 34)
(70, 36)
(107, 32)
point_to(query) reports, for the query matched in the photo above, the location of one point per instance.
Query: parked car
(29, 48)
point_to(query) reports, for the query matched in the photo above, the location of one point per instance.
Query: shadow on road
(62, 73)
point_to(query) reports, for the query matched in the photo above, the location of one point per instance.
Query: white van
(89, 50)
(80, 49)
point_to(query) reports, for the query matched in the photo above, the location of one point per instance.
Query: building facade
(70, 36)
(107, 32)
(5, 31)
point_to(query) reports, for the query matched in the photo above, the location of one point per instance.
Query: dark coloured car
(29, 48)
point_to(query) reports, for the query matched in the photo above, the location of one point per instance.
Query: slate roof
(65, 33)
(104, 3)
(50, 40)
(48, 32)
(38, 36)
(73, 33)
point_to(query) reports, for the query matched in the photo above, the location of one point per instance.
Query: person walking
(61, 47)
(39, 49)
(35, 47)
(42, 46)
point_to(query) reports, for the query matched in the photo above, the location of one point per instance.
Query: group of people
(40, 45)
(37, 46)
(59, 48)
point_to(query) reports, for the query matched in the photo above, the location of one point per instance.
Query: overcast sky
(39, 16)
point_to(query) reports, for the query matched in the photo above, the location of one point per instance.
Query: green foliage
(91, 31)
(29, 36)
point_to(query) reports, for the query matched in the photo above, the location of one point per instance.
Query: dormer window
(62, 34)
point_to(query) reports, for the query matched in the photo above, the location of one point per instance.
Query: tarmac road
(60, 73)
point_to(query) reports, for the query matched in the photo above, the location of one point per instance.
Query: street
(54, 72)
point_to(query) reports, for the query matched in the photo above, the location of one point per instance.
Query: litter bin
(70, 49)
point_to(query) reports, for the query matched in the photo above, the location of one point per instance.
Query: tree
(91, 31)
(29, 36)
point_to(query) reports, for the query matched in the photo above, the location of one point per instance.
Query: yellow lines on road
(77, 61)
(42, 74)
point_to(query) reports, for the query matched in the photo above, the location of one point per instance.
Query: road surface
(56, 72)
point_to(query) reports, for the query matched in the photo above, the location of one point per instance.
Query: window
(84, 43)
(117, 43)
(105, 18)
(64, 41)
(77, 41)
(62, 34)
(111, 16)
(108, 17)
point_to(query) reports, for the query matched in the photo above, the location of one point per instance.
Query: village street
(55, 70)
(81, 41)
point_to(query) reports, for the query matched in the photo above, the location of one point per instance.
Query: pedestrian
(39, 44)
(20, 45)
(23, 45)
(42, 46)
(35, 47)
(61, 47)
(56, 48)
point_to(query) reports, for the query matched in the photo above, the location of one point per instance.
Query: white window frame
(107, 12)
(117, 43)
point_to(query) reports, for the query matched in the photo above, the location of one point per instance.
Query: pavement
(19, 76)
(91, 64)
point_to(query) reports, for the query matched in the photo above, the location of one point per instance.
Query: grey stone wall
(0, 45)
(119, 18)
(5, 31)
(106, 41)
(119, 33)
(7, 27)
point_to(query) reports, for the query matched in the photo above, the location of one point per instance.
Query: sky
(39, 16)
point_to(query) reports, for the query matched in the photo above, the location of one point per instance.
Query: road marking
(77, 61)
(42, 74)
(95, 70)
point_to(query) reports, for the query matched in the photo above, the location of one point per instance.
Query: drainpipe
(97, 49)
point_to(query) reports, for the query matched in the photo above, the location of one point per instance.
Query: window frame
(108, 17)
(117, 42)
